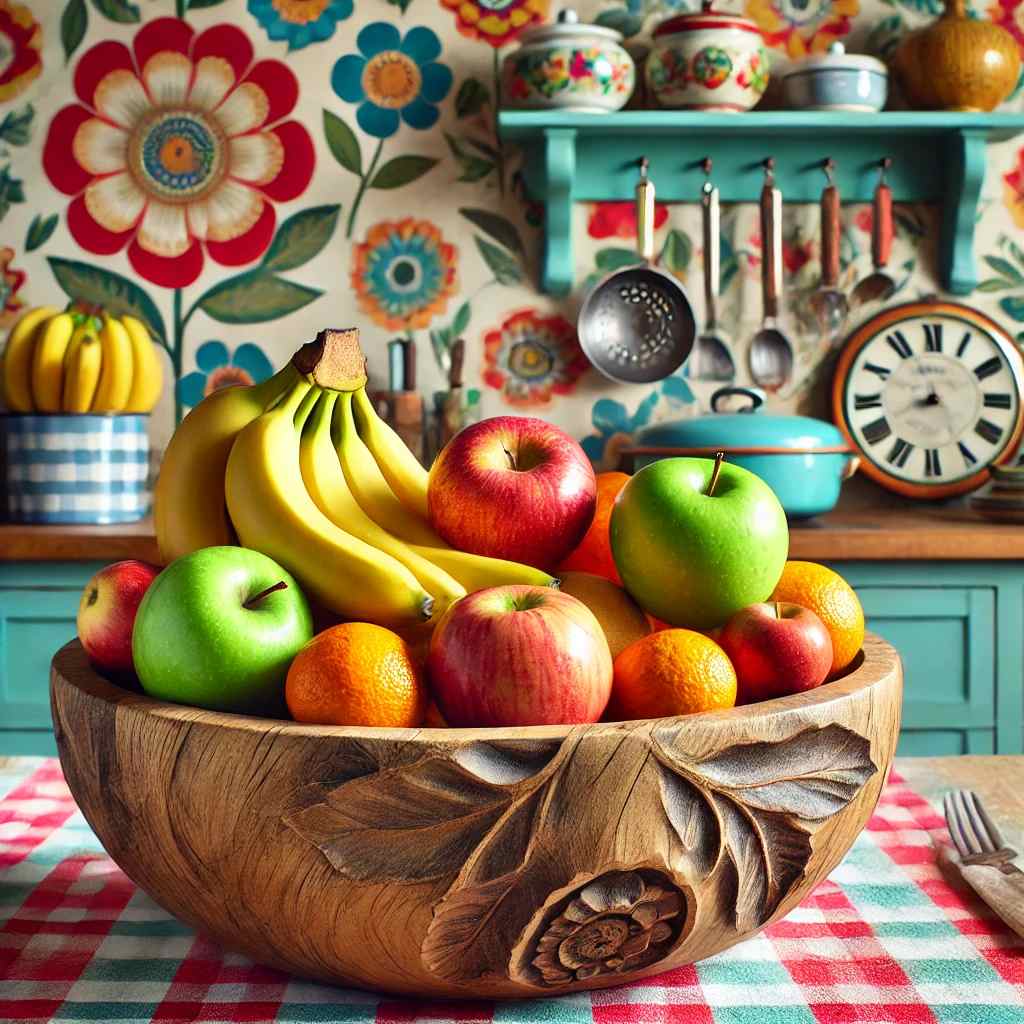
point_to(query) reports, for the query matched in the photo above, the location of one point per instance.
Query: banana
(48, 362)
(273, 513)
(368, 485)
(401, 469)
(147, 369)
(477, 572)
(17, 380)
(116, 372)
(82, 367)
(326, 485)
(189, 511)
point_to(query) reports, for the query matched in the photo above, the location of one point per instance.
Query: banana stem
(257, 598)
(333, 359)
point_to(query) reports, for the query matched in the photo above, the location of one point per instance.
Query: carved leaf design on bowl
(512, 833)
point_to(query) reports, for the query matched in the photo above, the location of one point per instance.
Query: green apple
(693, 558)
(218, 628)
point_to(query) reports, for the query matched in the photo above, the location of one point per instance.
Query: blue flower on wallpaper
(392, 78)
(218, 368)
(616, 427)
(300, 22)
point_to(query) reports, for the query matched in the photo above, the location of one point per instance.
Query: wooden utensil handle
(712, 254)
(771, 248)
(830, 229)
(881, 227)
(645, 218)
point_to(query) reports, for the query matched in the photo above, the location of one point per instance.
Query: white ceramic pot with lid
(836, 80)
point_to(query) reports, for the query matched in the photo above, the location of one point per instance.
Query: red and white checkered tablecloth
(886, 939)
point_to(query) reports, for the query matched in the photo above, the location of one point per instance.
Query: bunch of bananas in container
(81, 360)
(302, 468)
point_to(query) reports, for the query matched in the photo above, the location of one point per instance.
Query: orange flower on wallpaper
(1013, 190)
(20, 43)
(403, 274)
(800, 27)
(496, 22)
(11, 281)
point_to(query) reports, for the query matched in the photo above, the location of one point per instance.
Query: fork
(985, 862)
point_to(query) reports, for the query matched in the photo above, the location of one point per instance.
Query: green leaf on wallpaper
(118, 10)
(728, 260)
(342, 143)
(996, 284)
(402, 5)
(16, 127)
(85, 282)
(471, 98)
(11, 190)
(474, 168)
(39, 231)
(194, 5)
(1015, 250)
(402, 170)
(608, 260)
(676, 252)
(501, 229)
(73, 24)
(254, 298)
(505, 268)
(301, 237)
(1005, 268)
(621, 20)
(461, 321)
(1013, 307)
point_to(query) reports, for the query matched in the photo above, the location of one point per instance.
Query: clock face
(930, 394)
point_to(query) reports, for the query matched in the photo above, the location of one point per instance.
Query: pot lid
(837, 57)
(705, 18)
(567, 26)
(750, 427)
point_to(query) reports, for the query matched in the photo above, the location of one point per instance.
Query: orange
(832, 599)
(356, 674)
(671, 672)
(619, 615)
(594, 553)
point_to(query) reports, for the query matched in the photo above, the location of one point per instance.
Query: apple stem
(511, 458)
(254, 600)
(778, 609)
(719, 459)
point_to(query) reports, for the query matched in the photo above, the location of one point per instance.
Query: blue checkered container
(76, 469)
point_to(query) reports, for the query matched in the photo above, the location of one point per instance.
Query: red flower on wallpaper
(1013, 190)
(1010, 15)
(618, 220)
(20, 42)
(178, 145)
(11, 282)
(796, 254)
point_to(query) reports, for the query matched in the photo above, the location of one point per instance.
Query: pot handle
(756, 397)
(851, 467)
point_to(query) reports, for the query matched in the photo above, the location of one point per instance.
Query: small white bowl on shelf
(837, 80)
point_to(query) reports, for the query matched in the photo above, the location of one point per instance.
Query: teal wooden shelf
(937, 158)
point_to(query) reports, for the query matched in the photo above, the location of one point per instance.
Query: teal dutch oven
(803, 460)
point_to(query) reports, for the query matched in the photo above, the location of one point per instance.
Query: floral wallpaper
(240, 173)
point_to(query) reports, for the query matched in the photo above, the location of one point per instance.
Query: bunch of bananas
(301, 468)
(80, 360)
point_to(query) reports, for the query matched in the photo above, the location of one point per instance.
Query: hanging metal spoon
(771, 354)
(828, 302)
(710, 358)
(879, 285)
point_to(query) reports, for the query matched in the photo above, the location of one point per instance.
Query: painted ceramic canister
(957, 63)
(568, 66)
(707, 60)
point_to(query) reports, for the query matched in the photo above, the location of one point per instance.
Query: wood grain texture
(479, 863)
(24, 543)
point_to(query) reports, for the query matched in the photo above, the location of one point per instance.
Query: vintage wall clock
(930, 393)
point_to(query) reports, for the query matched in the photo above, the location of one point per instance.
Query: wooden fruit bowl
(479, 862)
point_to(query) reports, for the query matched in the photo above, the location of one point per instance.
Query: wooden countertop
(921, 534)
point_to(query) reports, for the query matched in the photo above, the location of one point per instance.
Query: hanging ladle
(829, 302)
(710, 358)
(771, 354)
(879, 285)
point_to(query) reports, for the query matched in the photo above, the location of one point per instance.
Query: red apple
(513, 487)
(776, 649)
(106, 613)
(519, 655)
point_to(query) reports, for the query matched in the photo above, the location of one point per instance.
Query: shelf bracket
(965, 176)
(558, 265)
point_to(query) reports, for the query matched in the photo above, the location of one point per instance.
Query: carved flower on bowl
(617, 923)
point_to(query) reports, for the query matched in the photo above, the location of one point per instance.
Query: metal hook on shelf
(768, 163)
(828, 165)
(883, 165)
(706, 165)
(644, 166)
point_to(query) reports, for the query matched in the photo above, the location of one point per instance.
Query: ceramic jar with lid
(706, 60)
(568, 66)
(836, 80)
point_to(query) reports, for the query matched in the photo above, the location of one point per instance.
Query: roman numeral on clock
(988, 430)
(867, 401)
(899, 344)
(964, 342)
(879, 371)
(900, 452)
(987, 368)
(997, 401)
(876, 430)
(933, 337)
(968, 455)
(932, 466)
